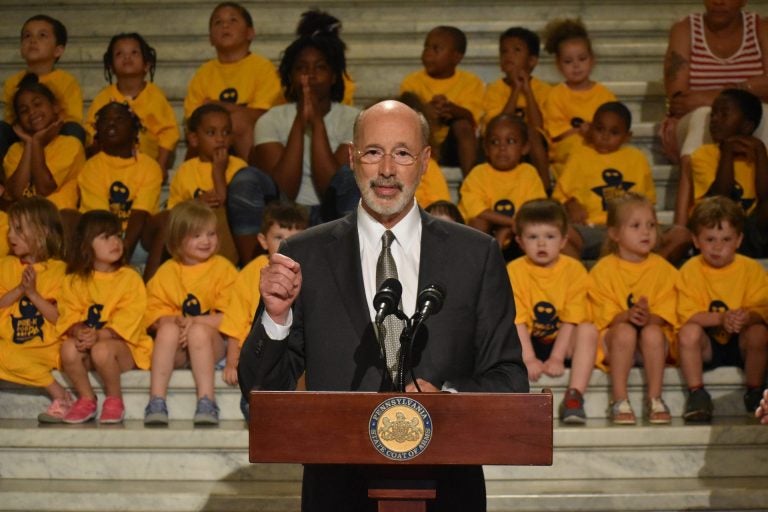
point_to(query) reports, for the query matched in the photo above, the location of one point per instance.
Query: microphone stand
(407, 338)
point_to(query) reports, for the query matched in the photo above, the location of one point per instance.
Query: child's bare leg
(466, 144)
(622, 343)
(165, 357)
(693, 345)
(480, 224)
(56, 391)
(206, 347)
(110, 359)
(584, 350)
(653, 347)
(76, 365)
(753, 342)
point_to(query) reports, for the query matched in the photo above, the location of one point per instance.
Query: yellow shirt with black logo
(64, 157)
(194, 177)
(108, 300)
(158, 121)
(252, 82)
(120, 185)
(504, 192)
(244, 299)
(617, 284)
(29, 345)
(704, 162)
(64, 87)
(547, 297)
(702, 288)
(594, 179)
(189, 290)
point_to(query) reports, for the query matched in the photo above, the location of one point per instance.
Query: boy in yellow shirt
(453, 96)
(551, 300)
(244, 83)
(722, 306)
(281, 221)
(43, 40)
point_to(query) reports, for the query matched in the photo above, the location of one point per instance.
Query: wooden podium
(383, 429)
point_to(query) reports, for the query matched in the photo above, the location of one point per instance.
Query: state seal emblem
(400, 428)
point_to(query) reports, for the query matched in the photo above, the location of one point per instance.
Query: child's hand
(85, 338)
(442, 107)
(584, 128)
(229, 375)
(640, 313)
(25, 137)
(308, 101)
(211, 198)
(577, 214)
(220, 160)
(29, 280)
(734, 320)
(745, 146)
(184, 324)
(554, 368)
(503, 235)
(535, 369)
(47, 134)
(522, 80)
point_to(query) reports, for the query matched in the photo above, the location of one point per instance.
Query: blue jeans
(341, 198)
(247, 195)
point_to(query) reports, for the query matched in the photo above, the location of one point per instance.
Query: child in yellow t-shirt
(603, 169)
(633, 298)
(30, 284)
(520, 93)
(734, 166)
(129, 58)
(43, 40)
(722, 307)
(43, 162)
(186, 298)
(244, 83)
(571, 104)
(281, 221)
(452, 97)
(101, 306)
(118, 178)
(551, 304)
(493, 192)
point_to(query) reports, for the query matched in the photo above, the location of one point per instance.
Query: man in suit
(318, 300)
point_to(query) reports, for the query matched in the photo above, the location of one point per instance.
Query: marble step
(518, 496)
(729, 448)
(725, 385)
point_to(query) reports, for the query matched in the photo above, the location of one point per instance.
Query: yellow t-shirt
(189, 290)
(498, 92)
(120, 185)
(251, 81)
(29, 345)
(115, 300)
(701, 288)
(463, 88)
(504, 192)
(194, 177)
(594, 179)
(62, 84)
(244, 299)
(158, 121)
(4, 248)
(545, 298)
(562, 107)
(615, 285)
(704, 162)
(433, 186)
(64, 157)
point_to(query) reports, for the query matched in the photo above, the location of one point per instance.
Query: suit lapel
(432, 260)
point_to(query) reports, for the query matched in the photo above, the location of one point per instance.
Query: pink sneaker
(83, 410)
(56, 411)
(112, 411)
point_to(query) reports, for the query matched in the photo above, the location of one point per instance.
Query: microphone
(429, 301)
(387, 299)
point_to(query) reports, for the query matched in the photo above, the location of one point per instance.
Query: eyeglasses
(400, 156)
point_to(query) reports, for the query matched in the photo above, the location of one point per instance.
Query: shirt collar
(407, 232)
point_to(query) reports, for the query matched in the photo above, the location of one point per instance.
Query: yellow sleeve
(475, 198)
(127, 315)
(691, 298)
(269, 90)
(180, 183)
(12, 159)
(195, 91)
(495, 98)
(71, 303)
(163, 120)
(244, 299)
(664, 304)
(555, 112)
(520, 282)
(433, 186)
(605, 304)
(470, 95)
(704, 163)
(225, 279)
(71, 99)
(148, 195)
(160, 290)
(4, 249)
(575, 303)
(756, 295)
(9, 87)
(90, 182)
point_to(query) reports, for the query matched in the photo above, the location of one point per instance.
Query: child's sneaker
(156, 412)
(56, 411)
(572, 407)
(207, 412)
(622, 413)
(698, 406)
(657, 411)
(83, 410)
(752, 400)
(113, 410)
